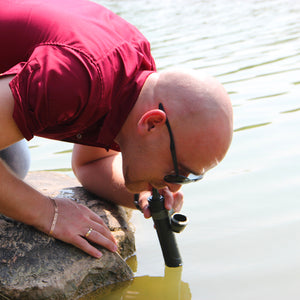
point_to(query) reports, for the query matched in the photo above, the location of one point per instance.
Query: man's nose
(174, 187)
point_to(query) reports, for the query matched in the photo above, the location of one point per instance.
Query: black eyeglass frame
(176, 178)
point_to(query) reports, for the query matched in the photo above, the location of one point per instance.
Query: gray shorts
(17, 158)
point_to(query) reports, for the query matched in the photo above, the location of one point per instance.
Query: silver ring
(88, 232)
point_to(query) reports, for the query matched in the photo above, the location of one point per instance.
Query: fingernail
(99, 254)
(114, 248)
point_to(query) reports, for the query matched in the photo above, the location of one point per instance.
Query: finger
(97, 218)
(104, 230)
(85, 246)
(143, 201)
(100, 226)
(169, 199)
(144, 204)
(178, 201)
(91, 214)
(146, 212)
(100, 239)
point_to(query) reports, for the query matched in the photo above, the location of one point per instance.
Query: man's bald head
(200, 115)
(199, 110)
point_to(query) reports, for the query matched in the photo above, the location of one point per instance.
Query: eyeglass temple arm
(172, 144)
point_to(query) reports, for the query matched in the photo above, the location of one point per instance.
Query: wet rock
(36, 266)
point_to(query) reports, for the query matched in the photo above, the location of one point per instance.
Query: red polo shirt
(79, 68)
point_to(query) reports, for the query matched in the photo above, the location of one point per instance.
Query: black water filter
(164, 230)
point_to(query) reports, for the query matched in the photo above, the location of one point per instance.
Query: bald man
(93, 82)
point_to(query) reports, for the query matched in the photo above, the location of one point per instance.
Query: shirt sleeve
(52, 92)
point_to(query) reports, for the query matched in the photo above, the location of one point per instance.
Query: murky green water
(243, 239)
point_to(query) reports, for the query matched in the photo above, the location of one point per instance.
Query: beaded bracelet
(54, 217)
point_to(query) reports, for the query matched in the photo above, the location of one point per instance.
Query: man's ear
(151, 120)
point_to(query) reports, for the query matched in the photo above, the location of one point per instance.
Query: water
(242, 241)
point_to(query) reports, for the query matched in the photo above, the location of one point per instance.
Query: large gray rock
(36, 266)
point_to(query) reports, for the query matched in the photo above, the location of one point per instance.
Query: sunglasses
(177, 178)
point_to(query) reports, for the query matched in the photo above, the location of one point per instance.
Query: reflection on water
(243, 239)
(159, 288)
(169, 286)
(251, 126)
(290, 111)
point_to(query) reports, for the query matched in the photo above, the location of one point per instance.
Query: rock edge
(36, 266)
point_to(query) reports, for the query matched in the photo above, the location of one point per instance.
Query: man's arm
(100, 172)
(23, 203)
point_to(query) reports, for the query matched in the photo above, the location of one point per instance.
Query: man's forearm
(23, 203)
(104, 178)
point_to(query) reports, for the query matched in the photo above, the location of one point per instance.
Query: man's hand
(74, 221)
(172, 201)
(21, 202)
(100, 172)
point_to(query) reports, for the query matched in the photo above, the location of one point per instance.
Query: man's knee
(17, 158)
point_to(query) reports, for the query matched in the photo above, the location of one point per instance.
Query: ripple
(252, 126)
(290, 111)
(64, 151)
(268, 96)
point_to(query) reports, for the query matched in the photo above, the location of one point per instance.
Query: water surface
(243, 238)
